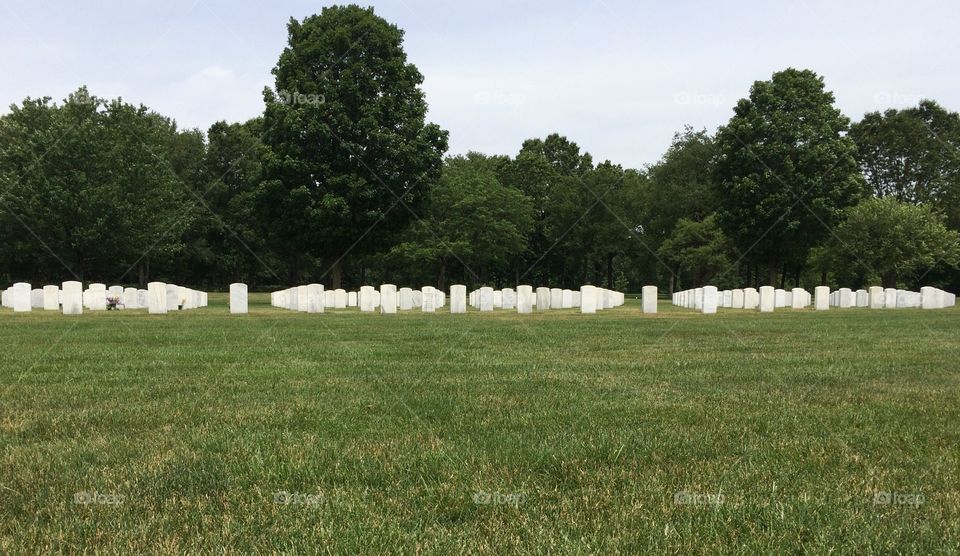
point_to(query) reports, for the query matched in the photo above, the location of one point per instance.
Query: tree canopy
(342, 181)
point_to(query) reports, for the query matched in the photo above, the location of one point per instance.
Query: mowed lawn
(482, 433)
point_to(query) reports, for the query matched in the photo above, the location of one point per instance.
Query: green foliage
(351, 158)
(87, 186)
(682, 183)
(896, 241)
(699, 252)
(785, 169)
(912, 155)
(473, 222)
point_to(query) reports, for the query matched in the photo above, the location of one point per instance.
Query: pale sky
(617, 77)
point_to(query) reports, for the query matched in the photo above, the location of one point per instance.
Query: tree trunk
(442, 275)
(889, 279)
(609, 272)
(336, 274)
(772, 272)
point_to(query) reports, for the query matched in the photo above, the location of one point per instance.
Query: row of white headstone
(72, 299)
(524, 299)
(312, 298)
(708, 298)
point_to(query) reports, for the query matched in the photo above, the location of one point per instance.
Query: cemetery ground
(487, 433)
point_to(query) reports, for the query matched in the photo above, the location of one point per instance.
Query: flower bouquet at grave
(114, 303)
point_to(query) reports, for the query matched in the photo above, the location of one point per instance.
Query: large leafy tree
(785, 169)
(233, 239)
(895, 241)
(682, 185)
(87, 189)
(912, 155)
(474, 224)
(550, 172)
(699, 251)
(351, 156)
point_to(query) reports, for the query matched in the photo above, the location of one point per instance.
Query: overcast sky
(617, 77)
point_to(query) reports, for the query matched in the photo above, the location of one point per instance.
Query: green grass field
(481, 433)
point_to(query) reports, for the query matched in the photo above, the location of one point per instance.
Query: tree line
(342, 181)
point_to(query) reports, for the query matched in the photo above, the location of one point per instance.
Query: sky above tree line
(617, 77)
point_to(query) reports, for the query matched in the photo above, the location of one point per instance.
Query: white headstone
(36, 298)
(876, 297)
(556, 298)
(388, 299)
(72, 298)
(751, 298)
(931, 298)
(649, 294)
(131, 300)
(588, 299)
(543, 299)
(51, 298)
(822, 294)
(736, 299)
(709, 300)
(458, 299)
(486, 298)
(21, 297)
(238, 298)
(847, 299)
(115, 292)
(798, 298)
(315, 298)
(365, 300)
(98, 297)
(339, 299)
(525, 299)
(303, 299)
(428, 301)
(767, 299)
(862, 298)
(890, 298)
(509, 298)
(352, 299)
(779, 298)
(173, 297)
(156, 298)
(406, 299)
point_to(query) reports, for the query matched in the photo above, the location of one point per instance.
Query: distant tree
(472, 223)
(235, 237)
(912, 155)
(87, 189)
(785, 170)
(894, 240)
(699, 251)
(682, 184)
(547, 171)
(562, 154)
(350, 153)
